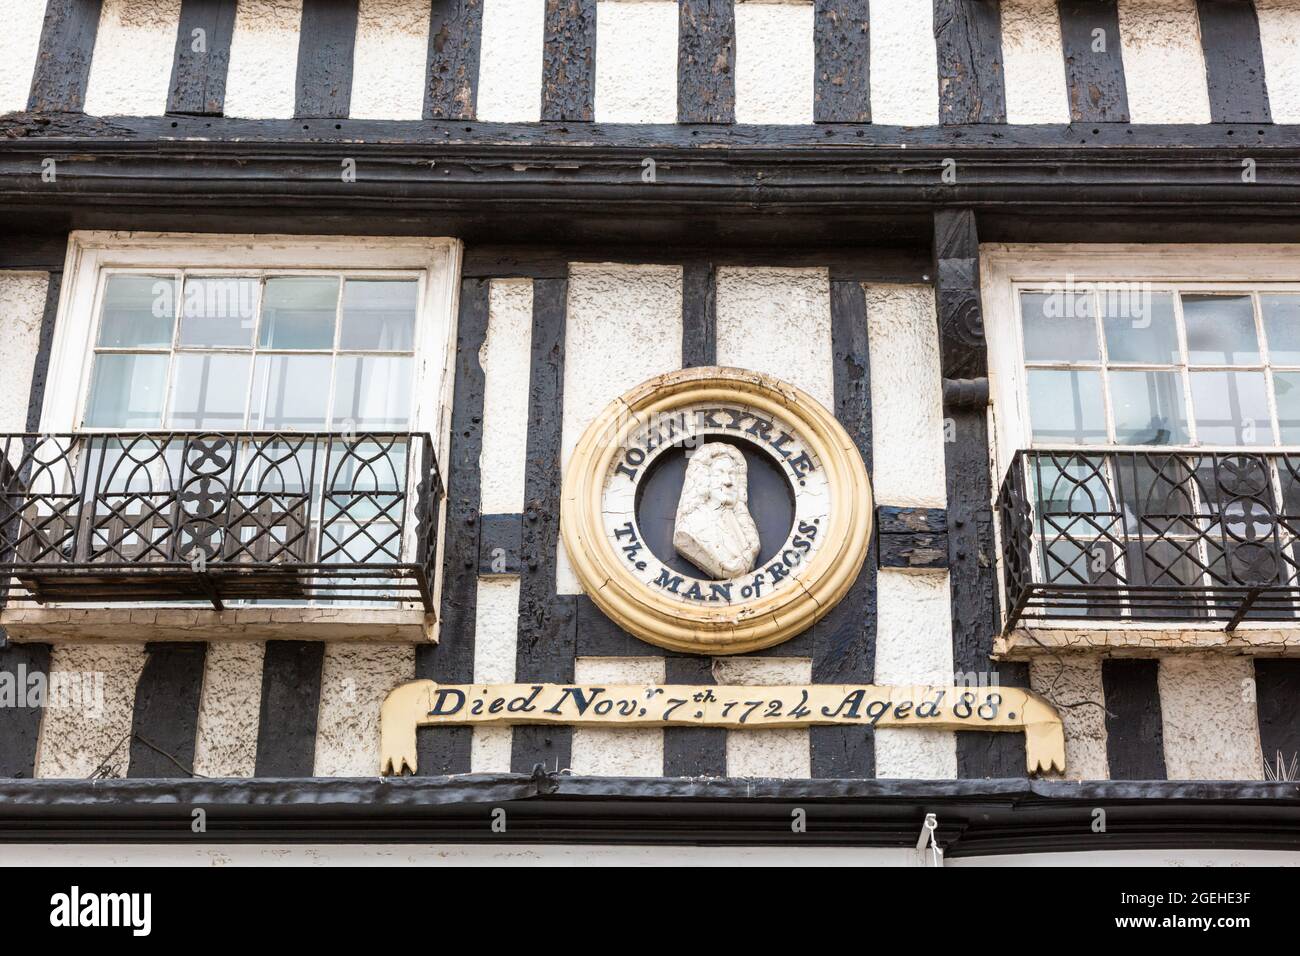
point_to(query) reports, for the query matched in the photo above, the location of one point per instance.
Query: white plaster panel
(225, 743)
(510, 61)
(1034, 62)
(388, 62)
(22, 306)
(89, 707)
(262, 81)
(355, 679)
(636, 61)
(774, 62)
(906, 397)
(496, 628)
(618, 752)
(633, 312)
(914, 646)
(766, 753)
(1164, 69)
(1211, 727)
(1074, 686)
(904, 64)
(131, 69)
(778, 321)
(20, 41)
(1279, 38)
(505, 357)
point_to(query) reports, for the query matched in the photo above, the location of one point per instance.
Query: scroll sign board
(717, 511)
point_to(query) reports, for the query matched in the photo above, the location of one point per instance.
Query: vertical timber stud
(20, 722)
(1135, 736)
(706, 61)
(286, 726)
(971, 554)
(202, 57)
(451, 74)
(1277, 698)
(1234, 61)
(41, 370)
(842, 44)
(968, 40)
(1094, 67)
(63, 58)
(844, 641)
(569, 61)
(442, 750)
(547, 634)
(325, 48)
(696, 751)
(166, 715)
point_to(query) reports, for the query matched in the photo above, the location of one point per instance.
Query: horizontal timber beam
(976, 817)
(712, 184)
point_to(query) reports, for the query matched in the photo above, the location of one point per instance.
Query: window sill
(110, 625)
(1111, 639)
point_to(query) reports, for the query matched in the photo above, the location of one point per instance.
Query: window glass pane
(1286, 388)
(139, 312)
(1148, 408)
(373, 391)
(209, 391)
(1220, 330)
(1140, 328)
(1059, 327)
(290, 392)
(126, 391)
(1281, 314)
(1065, 407)
(1231, 408)
(219, 311)
(378, 316)
(299, 312)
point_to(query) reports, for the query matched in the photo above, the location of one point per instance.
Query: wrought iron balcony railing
(219, 517)
(1151, 536)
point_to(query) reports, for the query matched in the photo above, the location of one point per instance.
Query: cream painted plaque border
(735, 628)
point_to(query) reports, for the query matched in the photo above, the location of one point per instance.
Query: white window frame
(92, 255)
(1007, 268)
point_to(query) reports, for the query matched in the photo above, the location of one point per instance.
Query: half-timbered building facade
(307, 310)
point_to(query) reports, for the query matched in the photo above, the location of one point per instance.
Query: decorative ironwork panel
(1175, 536)
(266, 516)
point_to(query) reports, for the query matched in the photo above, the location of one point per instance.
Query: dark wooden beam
(912, 537)
(202, 57)
(706, 61)
(569, 61)
(41, 366)
(693, 751)
(1135, 747)
(166, 711)
(844, 641)
(699, 314)
(968, 40)
(1094, 66)
(842, 54)
(1234, 61)
(286, 726)
(326, 45)
(63, 57)
(972, 559)
(451, 661)
(26, 667)
(498, 543)
(1277, 699)
(455, 35)
(547, 637)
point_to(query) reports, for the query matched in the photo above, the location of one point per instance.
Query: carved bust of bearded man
(714, 529)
